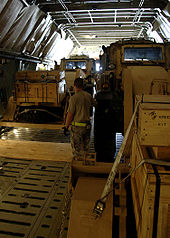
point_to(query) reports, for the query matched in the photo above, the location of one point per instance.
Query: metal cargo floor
(34, 198)
(41, 135)
(34, 134)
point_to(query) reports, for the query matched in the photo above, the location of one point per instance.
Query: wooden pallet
(151, 195)
(35, 150)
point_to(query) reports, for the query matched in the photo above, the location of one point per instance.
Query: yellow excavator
(42, 96)
(38, 95)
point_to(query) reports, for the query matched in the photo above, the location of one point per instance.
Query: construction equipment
(129, 68)
(37, 93)
(133, 67)
(76, 66)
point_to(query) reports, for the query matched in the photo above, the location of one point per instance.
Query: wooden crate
(154, 121)
(151, 195)
(161, 153)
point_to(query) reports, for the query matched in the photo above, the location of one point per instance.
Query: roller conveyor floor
(34, 198)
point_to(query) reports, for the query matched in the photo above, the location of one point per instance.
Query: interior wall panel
(2, 5)
(46, 40)
(8, 16)
(48, 50)
(38, 36)
(30, 29)
(25, 24)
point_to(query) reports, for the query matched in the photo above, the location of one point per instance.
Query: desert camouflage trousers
(80, 138)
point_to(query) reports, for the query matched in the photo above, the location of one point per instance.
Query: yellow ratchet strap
(79, 124)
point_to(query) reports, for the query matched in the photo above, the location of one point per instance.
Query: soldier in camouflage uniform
(79, 118)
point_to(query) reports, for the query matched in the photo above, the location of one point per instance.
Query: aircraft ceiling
(90, 23)
(52, 29)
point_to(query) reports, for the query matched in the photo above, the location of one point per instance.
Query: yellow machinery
(135, 67)
(129, 68)
(76, 66)
(37, 93)
(137, 72)
(42, 96)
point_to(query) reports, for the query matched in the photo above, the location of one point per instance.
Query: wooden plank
(156, 99)
(82, 222)
(121, 210)
(37, 75)
(100, 168)
(162, 226)
(36, 150)
(31, 125)
(168, 86)
(155, 106)
(162, 153)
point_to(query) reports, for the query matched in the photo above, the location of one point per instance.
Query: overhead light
(89, 36)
